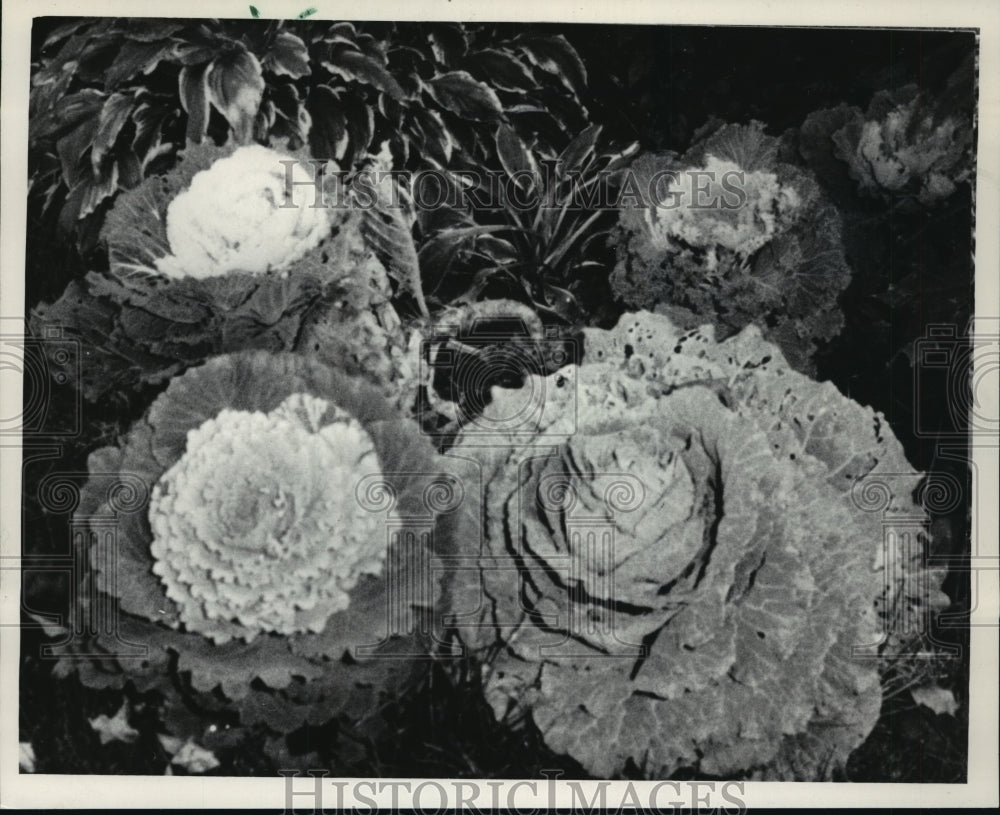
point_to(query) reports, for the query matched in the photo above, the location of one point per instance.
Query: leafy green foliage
(280, 681)
(530, 231)
(712, 621)
(112, 100)
(139, 327)
(776, 259)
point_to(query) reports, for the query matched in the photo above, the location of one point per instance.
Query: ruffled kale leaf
(730, 235)
(138, 325)
(908, 147)
(685, 552)
(316, 672)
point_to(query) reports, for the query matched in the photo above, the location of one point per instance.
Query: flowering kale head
(265, 531)
(907, 148)
(277, 544)
(730, 235)
(903, 148)
(722, 206)
(680, 560)
(208, 260)
(223, 212)
(242, 215)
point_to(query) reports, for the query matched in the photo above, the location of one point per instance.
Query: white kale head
(255, 555)
(242, 215)
(256, 527)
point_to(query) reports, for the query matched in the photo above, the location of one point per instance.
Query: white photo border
(41, 791)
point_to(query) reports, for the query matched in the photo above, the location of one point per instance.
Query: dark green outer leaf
(193, 88)
(389, 232)
(342, 32)
(194, 53)
(113, 116)
(72, 151)
(516, 159)
(578, 151)
(63, 31)
(129, 169)
(373, 47)
(288, 56)
(437, 142)
(557, 56)
(353, 66)
(501, 69)
(69, 56)
(466, 97)
(109, 364)
(328, 137)
(70, 111)
(360, 128)
(236, 88)
(98, 188)
(47, 91)
(151, 29)
(449, 43)
(135, 58)
(149, 117)
(746, 145)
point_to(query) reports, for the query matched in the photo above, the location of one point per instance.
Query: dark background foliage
(655, 85)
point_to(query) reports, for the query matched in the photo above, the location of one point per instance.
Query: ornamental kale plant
(730, 235)
(907, 146)
(680, 556)
(524, 332)
(248, 561)
(220, 255)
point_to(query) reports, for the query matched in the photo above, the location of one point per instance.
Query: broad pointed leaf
(354, 66)
(466, 97)
(193, 86)
(287, 57)
(236, 88)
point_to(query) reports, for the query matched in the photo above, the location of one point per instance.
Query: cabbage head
(903, 148)
(240, 215)
(908, 148)
(251, 509)
(204, 260)
(679, 568)
(730, 234)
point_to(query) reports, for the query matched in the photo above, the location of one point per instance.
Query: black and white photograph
(436, 395)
